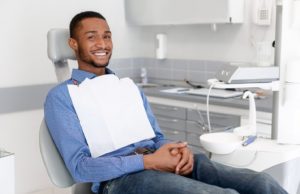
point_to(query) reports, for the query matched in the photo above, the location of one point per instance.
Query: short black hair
(79, 17)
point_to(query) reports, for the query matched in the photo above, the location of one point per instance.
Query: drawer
(169, 111)
(171, 123)
(173, 135)
(217, 120)
(193, 139)
(195, 127)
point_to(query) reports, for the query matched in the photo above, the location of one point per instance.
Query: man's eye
(91, 37)
(107, 37)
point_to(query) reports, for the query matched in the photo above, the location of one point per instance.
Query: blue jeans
(207, 177)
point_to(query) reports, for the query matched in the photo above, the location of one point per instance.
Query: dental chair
(59, 52)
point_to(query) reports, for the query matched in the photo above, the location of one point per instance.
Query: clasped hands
(171, 157)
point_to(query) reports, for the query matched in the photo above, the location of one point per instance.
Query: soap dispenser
(161, 51)
(144, 76)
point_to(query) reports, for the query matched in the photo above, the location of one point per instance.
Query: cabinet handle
(167, 108)
(263, 122)
(170, 132)
(214, 115)
(168, 120)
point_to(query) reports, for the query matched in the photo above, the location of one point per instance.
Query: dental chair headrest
(58, 48)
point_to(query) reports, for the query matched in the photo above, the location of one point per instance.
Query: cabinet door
(166, 12)
(218, 121)
(193, 139)
(196, 127)
(171, 123)
(174, 135)
(7, 174)
(169, 111)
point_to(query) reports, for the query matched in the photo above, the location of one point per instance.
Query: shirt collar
(80, 75)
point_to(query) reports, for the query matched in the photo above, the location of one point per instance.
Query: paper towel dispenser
(176, 12)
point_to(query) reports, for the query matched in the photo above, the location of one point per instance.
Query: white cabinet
(175, 12)
(7, 173)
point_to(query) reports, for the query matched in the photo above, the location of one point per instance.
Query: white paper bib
(111, 113)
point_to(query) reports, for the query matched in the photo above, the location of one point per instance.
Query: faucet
(249, 129)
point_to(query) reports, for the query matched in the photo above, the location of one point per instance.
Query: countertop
(4, 153)
(263, 105)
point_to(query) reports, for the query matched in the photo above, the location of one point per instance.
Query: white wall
(228, 43)
(24, 25)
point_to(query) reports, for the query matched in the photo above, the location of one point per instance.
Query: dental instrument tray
(233, 74)
(219, 93)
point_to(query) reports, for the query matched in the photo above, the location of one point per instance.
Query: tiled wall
(168, 70)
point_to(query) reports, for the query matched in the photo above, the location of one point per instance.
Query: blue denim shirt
(66, 131)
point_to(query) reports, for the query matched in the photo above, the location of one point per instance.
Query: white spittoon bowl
(220, 143)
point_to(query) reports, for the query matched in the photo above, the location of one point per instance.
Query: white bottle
(144, 76)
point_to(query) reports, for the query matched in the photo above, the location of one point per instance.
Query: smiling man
(150, 166)
(91, 40)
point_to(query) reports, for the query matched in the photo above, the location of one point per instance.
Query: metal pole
(278, 27)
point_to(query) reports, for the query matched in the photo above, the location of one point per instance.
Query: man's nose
(100, 43)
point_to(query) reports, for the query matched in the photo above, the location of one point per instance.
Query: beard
(85, 58)
(92, 63)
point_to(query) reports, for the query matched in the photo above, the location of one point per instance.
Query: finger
(188, 168)
(176, 145)
(184, 160)
(186, 172)
(174, 151)
(190, 158)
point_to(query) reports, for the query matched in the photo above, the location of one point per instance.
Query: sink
(221, 142)
(146, 85)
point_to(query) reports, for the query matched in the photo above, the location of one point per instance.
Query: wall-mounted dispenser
(161, 50)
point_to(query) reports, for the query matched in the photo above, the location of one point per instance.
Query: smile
(100, 53)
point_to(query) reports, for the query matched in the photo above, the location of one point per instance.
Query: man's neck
(97, 71)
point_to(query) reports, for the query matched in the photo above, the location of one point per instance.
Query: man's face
(92, 43)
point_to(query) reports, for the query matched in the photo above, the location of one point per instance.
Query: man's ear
(73, 44)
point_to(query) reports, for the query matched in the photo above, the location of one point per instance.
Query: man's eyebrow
(94, 31)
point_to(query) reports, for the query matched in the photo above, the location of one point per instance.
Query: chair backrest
(59, 52)
(56, 169)
(53, 162)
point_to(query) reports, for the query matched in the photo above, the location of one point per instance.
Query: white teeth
(100, 54)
